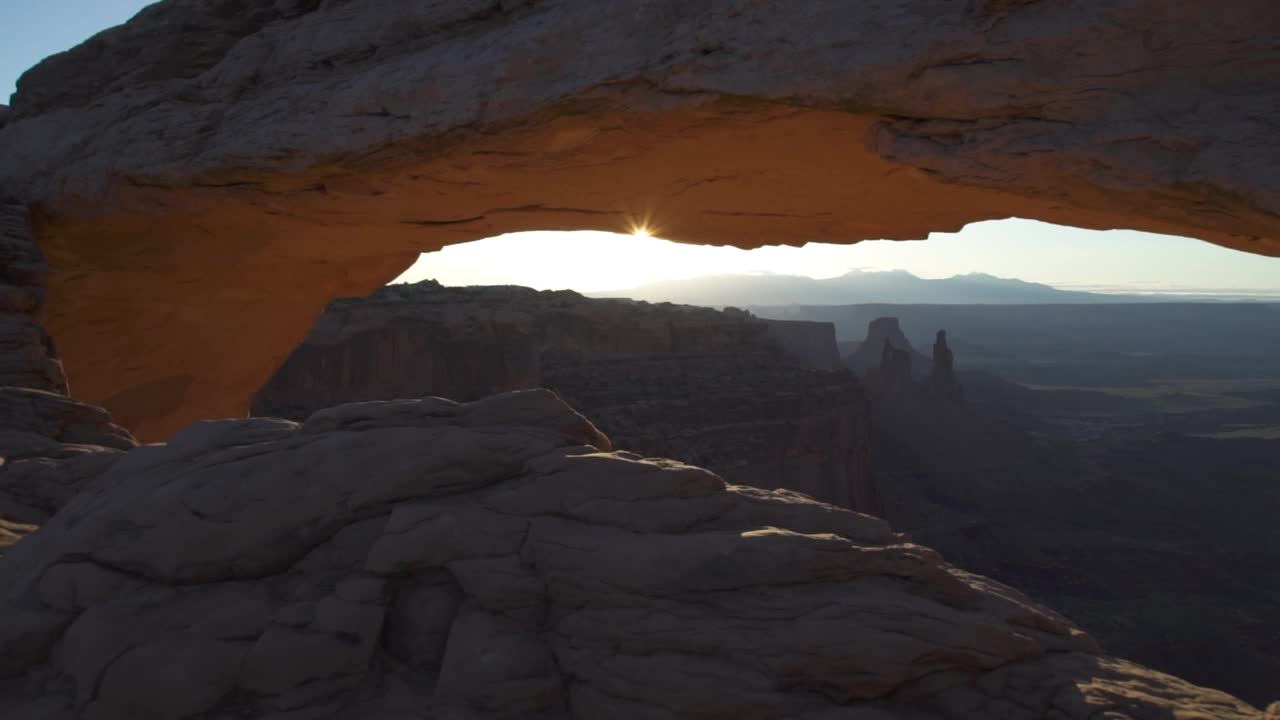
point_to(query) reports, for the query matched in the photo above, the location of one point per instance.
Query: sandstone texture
(27, 355)
(213, 171)
(50, 445)
(204, 179)
(756, 401)
(749, 418)
(425, 559)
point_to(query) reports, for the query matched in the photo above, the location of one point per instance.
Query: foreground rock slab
(426, 559)
(755, 401)
(51, 447)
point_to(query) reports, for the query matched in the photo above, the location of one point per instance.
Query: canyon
(494, 559)
(426, 559)
(184, 194)
(200, 176)
(1083, 503)
(759, 402)
(731, 392)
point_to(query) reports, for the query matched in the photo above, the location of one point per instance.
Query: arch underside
(196, 223)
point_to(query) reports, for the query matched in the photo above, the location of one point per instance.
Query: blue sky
(34, 29)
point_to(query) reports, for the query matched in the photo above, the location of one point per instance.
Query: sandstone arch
(206, 177)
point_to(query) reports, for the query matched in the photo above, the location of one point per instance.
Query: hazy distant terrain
(862, 286)
(1096, 448)
(1090, 344)
(1085, 504)
(1136, 455)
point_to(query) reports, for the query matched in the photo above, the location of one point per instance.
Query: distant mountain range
(862, 286)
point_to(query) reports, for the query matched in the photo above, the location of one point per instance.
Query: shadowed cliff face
(27, 355)
(238, 167)
(1156, 543)
(722, 390)
(424, 559)
(812, 344)
(50, 445)
(1087, 512)
(870, 353)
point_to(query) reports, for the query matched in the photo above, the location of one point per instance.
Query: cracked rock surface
(769, 410)
(428, 559)
(50, 445)
(27, 356)
(208, 154)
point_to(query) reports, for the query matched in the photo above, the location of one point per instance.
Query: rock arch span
(205, 177)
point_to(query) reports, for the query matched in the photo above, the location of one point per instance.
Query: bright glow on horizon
(1115, 260)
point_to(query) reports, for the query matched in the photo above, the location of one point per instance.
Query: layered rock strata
(723, 390)
(942, 383)
(50, 445)
(191, 163)
(812, 344)
(883, 332)
(425, 559)
(749, 418)
(27, 355)
(428, 559)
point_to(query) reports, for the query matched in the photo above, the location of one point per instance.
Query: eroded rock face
(894, 373)
(50, 445)
(422, 559)
(942, 384)
(812, 344)
(870, 353)
(749, 418)
(206, 159)
(723, 390)
(27, 356)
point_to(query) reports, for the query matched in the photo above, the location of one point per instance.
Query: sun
(641, 231)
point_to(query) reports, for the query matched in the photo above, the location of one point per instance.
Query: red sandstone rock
(259, 567)
(205, 176)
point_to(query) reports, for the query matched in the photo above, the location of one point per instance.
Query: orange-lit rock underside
(200, 202)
